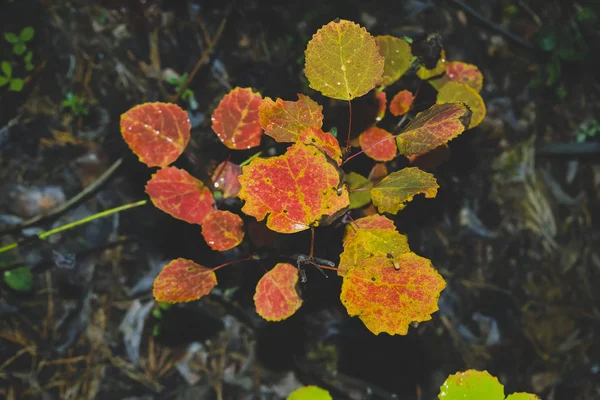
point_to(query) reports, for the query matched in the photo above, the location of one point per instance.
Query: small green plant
(587, 129)
(19, 41)
(188, 94)
(76, 104)
(15, 84)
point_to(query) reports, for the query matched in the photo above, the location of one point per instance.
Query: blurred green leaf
(27, 34)
(28, 56)
(19, 48)
(19, 279)
(6, 68)
(16, 85)
(11, 37)
(4, 80)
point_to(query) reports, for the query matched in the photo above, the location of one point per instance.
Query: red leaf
(401, 103)
(183, 280)
(276, 297)
(156, 132)
(225, 178)
(366, 223)
(324, 141)
(222, 230)
(284, 121)
(235, 120)
(296, 190)
(179, 194)
(384, 151)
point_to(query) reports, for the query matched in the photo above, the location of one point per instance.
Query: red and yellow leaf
(401, 103)
(179, 194)
(284, 121)
(397, 55)
(225, 178)
(369, 237)
(458, 92)
(388, 294)
(433, 127)
(358, 198)
(156, 132)
(378, 144)
(382, 101)
(276, 297)
(295, 190)
(222, 230)
(183, 280)
(235, 120)
(460, 72)
(398, 188)
(343, 61)
(378, 172)
(324, 141)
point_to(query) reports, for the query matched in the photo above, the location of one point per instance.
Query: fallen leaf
(276, 298)
(179, 194)
(235, 120)
(222, 230)
(389, 294)
(183, 280)
(343, 61)
(156, 132)
(433, 127)
(398, 188)
(295, 190)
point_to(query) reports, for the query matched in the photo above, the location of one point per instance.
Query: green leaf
(27, 34)
(398, 188)
(472, 385)
(28, 56)
(522, 396)
(361, 197)
(19, 279)
(19, 48)
(29, 67)
(16, 85)
(4, 80)
(11, 37)
(309, 393)
(6, 68)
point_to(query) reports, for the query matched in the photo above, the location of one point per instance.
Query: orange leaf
(296, 190)
(378, 172)
(179, 194)
(388, 294)
(343, 61)
(183, 280)
(235, 120)
(457, 92)
(382, 99)
(284, 121)
(397, 55)
(324, 141)
(401, 103)
(156, 132)
(433, 127)
(222, 230)
(225, 178)
(460, 72)
(374, 237)
(398, 188)
(384, 151)
(276, 298)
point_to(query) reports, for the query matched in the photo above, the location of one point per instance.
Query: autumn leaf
(472, 384)
(389, 294)
(401, 103)
(397, 55)
(398, 188)
(382, 101)
(276, 298)
(425, 74)
(460, 72)
(373, 142)
(284, 121)
(225, 178)
(324, 141)
(295, 190)
(183, 280)
(343, 61)
(378, 172)
(361, 197)
(458, 92)
(235, 120)
(156, 132)
(309, 393)
(179, 194)
(222, 230)
(433, 127)
(369, 238)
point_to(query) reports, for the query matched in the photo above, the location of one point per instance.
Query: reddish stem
(252, 257)
(358, 190)
(363, 150)
(312, 242)
(327, 267)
